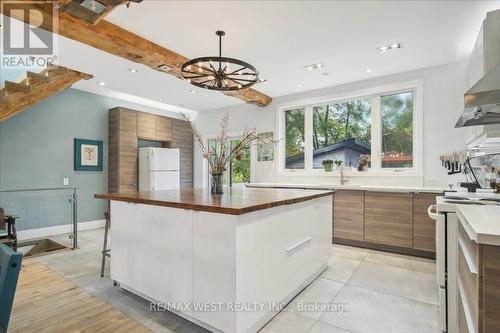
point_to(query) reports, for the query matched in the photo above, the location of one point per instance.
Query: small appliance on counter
(485, 168)
(158, 169)
(481, 170)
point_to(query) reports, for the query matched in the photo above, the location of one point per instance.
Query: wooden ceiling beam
(113, 39)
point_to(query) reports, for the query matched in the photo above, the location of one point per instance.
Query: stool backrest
(2, 219)
(10, 266)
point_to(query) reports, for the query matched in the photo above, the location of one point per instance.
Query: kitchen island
(227, 262)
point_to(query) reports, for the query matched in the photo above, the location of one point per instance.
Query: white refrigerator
(158, 169)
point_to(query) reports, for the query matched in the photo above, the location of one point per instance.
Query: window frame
(374, 94)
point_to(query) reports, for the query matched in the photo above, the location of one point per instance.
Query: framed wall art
(88, 155)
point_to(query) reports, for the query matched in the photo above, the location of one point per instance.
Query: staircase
(16, 97)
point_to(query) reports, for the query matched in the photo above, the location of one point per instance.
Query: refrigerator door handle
(154, 173)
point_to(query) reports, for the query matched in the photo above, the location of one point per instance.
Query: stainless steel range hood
(482, 100)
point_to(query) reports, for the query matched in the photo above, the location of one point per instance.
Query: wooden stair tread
(14, 86)
(37, 77)
(16, 97)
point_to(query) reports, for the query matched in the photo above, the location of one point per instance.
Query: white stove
(444, 213)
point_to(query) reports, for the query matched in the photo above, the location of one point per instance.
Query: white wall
(443, 91)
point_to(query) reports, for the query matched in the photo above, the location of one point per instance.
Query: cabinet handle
(307, 240)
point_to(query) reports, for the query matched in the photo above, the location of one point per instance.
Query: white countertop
(482, 223)
(351, 187)
(444, 206)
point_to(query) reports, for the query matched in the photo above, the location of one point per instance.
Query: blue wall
(36, 151)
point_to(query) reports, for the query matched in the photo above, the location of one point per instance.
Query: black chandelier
(220, 73)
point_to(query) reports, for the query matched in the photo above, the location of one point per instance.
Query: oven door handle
(431, 211)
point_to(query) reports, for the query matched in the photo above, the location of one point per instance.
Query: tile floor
(385, 292)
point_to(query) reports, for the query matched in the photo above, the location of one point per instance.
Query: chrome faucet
(343, 179)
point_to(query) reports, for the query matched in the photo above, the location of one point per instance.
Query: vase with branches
(220, 154)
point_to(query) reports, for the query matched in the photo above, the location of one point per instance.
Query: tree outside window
(341, 131)
(239, 167)
(397, 130)
(294, 138)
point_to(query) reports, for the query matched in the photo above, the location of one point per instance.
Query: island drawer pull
(307, 240)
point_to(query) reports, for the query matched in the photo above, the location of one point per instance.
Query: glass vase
(216, 184)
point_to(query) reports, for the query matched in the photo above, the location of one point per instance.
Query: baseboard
(58, 230)
(386, 248)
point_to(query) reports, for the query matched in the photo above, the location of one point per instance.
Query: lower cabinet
(424, 228)
(348, 214)
(391, 221)
(388, 218)
(478, 285)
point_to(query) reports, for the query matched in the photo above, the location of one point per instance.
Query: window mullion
(308, 140)
(376, 134)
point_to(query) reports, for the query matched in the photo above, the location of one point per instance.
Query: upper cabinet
(164, 127)
(146, 126)
(154, 127)
(126, 127)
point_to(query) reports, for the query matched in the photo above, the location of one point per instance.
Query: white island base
(226, 273)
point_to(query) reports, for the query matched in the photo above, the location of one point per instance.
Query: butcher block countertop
(234, 201)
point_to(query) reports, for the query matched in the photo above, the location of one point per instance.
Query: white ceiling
(279, 38)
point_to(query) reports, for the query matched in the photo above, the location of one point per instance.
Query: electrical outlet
(65, 181)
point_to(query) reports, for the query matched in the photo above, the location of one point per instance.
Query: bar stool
(105, 251)
(9, 221)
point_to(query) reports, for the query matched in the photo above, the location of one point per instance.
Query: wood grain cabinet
(163, 128)
(126, 127)
(182, 138)
(348, 214)
(388, 221)
(478, 285)
(154, 127)
(146, 126)
(424, 228)
(388, 218)
(122, 168)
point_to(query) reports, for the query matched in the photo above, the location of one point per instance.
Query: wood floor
(47, 302)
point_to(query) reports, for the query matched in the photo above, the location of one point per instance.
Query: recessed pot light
(299, 85)
(161, 100)
(312, 67)
(102, 83)
(389, 47)
(369, 70)
(262, 80)
(194, 91)
(132, 70)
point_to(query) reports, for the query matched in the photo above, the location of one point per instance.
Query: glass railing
(43, 213)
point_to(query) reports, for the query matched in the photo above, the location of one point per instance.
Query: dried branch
(220, 156)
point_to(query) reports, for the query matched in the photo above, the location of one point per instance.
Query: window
(239, 167)
(379, 125)
(341, 131)
(294, 138)
(397, 130)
